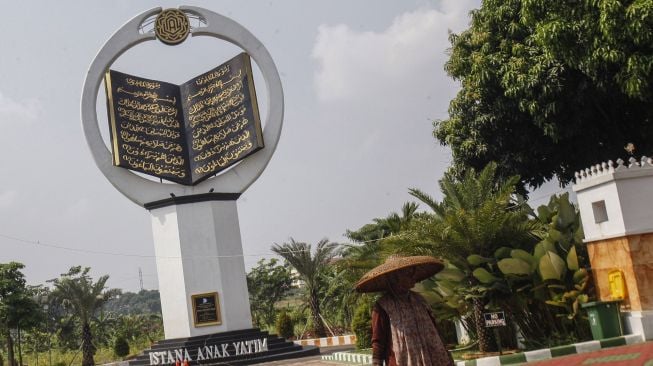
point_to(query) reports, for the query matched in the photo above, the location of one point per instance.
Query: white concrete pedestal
(198, 250)
(638, 322)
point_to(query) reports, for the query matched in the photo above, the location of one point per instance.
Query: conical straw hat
(377, 279)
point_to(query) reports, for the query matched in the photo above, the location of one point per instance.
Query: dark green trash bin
(605, 318)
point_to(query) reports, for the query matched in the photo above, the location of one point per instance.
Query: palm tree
(79, 294)
(310, 268)
(476, 216)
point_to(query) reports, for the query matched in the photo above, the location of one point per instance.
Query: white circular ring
(235, 180)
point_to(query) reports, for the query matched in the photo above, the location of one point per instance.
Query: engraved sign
(186, 133)
(172, 26)
(206, 309)
(497, 319)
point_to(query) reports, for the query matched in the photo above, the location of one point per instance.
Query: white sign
(497, 319)
(211, 352)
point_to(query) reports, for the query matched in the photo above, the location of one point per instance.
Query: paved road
(635, 355)
(313, 360)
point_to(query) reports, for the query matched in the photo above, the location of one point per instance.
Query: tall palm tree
(77, 292)
(310, 267)
(476, 216)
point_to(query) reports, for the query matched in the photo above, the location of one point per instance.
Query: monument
(205, 143)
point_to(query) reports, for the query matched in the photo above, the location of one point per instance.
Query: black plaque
(206, 309)
(496, 319)
(186, 133)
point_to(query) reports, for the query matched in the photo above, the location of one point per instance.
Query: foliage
(477, 216)
(570, 79)
(310, 268)
(362, 323)
(129, 303)
(140, 327)
(18, 309)
(555, 273)
(338, 298)
(284, 325)
(83, 297)
(267, 283)
(120, 346)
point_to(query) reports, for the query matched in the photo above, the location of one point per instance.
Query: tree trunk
(10, 348)
(88, 350)
(20, 350)
(485, 339)
(318, 326)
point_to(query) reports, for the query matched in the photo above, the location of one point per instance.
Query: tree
(268, 283)
(476, 216)
(129, 303)
(17, 305)
(550, 87)
(83, 297)
(310, 268)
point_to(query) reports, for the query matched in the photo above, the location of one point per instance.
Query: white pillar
(198, 250)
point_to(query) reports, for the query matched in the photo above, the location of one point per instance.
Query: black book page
(146, 127)
(222, 118)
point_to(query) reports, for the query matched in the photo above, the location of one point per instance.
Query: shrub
(121, 347)
(362, 324)
(284, 325)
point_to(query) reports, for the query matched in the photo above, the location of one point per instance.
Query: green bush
(362, 324)
(121, 347)
(284, 325)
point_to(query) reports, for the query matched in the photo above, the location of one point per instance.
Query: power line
(89, 251)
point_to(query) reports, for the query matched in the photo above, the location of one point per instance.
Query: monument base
(241, 347)
(638, 322)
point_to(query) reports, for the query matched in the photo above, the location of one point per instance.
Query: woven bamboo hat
(377, 279)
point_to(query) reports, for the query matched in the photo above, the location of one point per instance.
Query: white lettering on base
(208, 352)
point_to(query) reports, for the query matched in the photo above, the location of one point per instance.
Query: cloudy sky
(363, 81)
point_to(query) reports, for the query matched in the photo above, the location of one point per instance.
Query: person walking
(404, 330)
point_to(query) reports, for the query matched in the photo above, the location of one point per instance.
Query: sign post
(494, 321)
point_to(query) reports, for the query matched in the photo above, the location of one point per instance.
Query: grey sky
(363, 81)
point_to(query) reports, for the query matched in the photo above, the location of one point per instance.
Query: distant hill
(129, 303)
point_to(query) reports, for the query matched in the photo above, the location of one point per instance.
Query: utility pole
(140, 277)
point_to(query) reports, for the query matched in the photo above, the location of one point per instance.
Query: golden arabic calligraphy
(147, 95)
(152, 144)
(148, 107)
(213, 75)
(224, 160)
(151, 119)
(150, 167)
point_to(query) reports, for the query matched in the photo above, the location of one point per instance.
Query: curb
(547, 353)
(356, 358)
(328, 341)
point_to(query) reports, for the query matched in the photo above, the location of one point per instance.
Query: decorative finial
(630, 148)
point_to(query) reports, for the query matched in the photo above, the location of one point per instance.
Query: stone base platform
(240, 347)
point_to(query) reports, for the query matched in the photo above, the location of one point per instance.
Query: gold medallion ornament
(172, 26)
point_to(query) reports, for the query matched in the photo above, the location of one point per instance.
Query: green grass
(65, 358)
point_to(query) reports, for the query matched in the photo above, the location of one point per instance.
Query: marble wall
(633, 255)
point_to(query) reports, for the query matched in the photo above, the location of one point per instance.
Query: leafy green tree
(550, 87)
(268, 283)
(17, 305)
(84, 298)
(310, 267)
(129, 303)
(476, 216)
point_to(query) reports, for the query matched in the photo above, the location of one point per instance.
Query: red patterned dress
(404, 333)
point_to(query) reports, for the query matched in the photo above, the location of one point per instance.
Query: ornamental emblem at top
(172, 26)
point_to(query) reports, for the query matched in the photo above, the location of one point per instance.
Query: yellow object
(617, 285)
